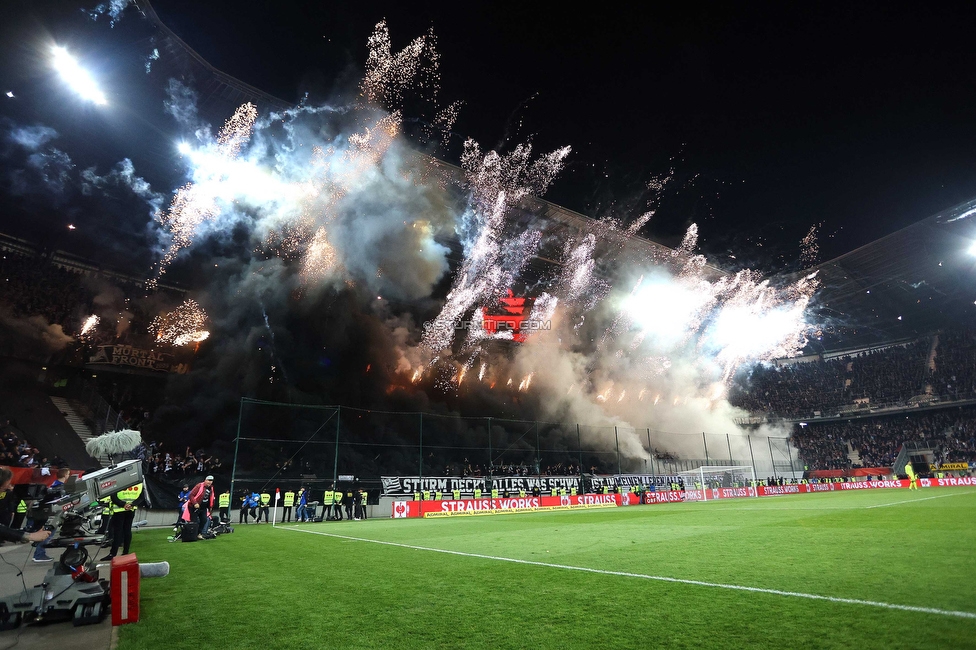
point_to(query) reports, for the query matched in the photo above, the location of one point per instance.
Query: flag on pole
(277, 495)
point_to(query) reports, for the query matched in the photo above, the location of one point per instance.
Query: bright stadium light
(972, 249)
(77, 77)
(184, 148)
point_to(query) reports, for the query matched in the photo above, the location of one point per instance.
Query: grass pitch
(895, 570)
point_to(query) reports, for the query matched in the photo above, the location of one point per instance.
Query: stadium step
(75, 421)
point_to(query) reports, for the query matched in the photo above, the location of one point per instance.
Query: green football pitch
(873, 569)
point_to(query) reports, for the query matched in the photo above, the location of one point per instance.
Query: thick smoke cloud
(30, 337)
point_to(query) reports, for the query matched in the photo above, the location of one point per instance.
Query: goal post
(697, 482)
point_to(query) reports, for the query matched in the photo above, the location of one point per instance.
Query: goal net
(697, 482)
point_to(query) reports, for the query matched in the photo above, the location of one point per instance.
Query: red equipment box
(124, 589)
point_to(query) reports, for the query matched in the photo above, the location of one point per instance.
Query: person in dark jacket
(183, 497)
(8, 534)
(347, 502)
(301, 513)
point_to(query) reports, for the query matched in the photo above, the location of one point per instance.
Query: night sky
(856, 119)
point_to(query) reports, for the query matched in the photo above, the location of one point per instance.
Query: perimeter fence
(286, 445)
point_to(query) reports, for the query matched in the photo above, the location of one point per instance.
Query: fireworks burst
(320, 258)
(88, 328)
(196, 203)
(810, 248)
(491, 263)
(182, 326)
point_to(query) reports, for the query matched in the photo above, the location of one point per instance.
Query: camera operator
(55, 491)
(8, 534)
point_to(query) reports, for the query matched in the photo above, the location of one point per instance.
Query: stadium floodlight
(972, 249)
(699, 481)
(79, 79)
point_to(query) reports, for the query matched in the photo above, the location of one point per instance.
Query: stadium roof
(914, 281)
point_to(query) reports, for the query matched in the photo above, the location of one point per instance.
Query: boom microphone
(113, 444)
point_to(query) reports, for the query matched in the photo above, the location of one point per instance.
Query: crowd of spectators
(955, 365)
(15, 451)
(32, 286)
(877, 441)
(793, 390)
(889, 376)
(467, 468)
(163, 464)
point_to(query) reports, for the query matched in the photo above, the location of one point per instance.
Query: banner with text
(406, 486)
(498, 506)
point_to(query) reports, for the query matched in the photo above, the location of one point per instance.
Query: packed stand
(955, 365)
(165, 465)
(17, 452)
(794, 390)
(890, 375)
(32, 286)
(878, 440)
(887, 376)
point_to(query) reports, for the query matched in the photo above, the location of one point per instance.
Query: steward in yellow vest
(123, 508)
(287, 506)
(223, 506)
(477, 493)
(456, 493)
(264, 502)
(327, 499)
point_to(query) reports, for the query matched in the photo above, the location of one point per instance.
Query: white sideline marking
(938, 496)
(699, 583)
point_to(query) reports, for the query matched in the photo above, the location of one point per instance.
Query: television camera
(72, 587)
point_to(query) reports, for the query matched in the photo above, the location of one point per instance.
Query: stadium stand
(875, 442)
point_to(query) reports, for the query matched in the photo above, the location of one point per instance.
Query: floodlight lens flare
(77, 77)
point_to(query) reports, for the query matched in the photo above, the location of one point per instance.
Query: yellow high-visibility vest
(290, 499)
(223, 501)
(127, 495)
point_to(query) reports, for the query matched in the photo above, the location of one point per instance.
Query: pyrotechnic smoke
(339, 209)
(113, 9)
(24, 337)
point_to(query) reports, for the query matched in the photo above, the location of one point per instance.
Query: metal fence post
(237, 445)
(752, 456)
(579, 444)
(617, 439)
(705, 444)
(335, 463)
(790, 452)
